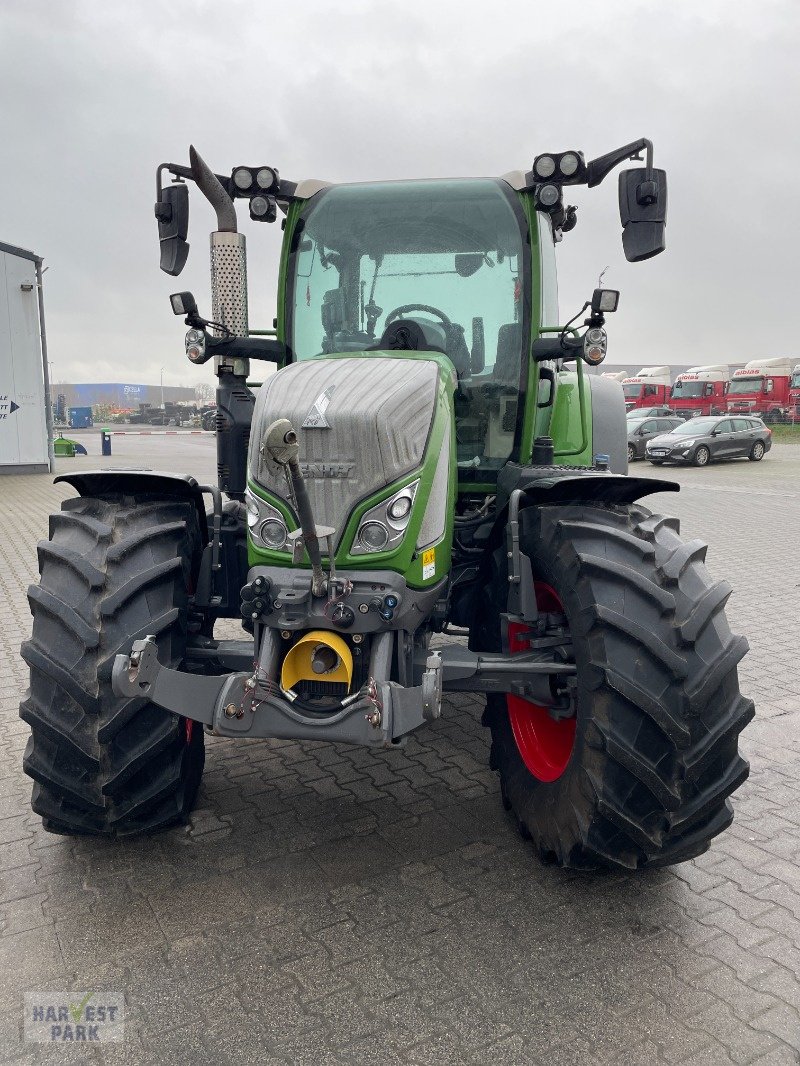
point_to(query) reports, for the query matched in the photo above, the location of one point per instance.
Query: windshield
(695, 427)
(685, 389)
(740, 385)
(795, 382)
(367, 250)
(632, 392)
(447, 256)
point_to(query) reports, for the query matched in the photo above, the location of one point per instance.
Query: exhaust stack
(228, 253)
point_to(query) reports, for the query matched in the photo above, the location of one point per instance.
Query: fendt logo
(319, 470)
(315, 419)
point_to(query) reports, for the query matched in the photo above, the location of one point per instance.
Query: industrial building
(118, 394)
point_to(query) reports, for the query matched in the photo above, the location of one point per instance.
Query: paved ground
(329, 905)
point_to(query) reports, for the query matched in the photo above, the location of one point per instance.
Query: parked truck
(761, 388)
(700, 391)
(794, 395)
(649, 387)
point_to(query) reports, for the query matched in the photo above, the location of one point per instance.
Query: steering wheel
(404, 308)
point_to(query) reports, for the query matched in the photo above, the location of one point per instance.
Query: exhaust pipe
(228, 253)
(229, 308)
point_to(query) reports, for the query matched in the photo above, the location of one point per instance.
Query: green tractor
(429, 495)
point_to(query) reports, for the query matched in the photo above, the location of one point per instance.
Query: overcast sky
(97, 93)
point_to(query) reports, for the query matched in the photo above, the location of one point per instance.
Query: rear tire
(658, 708)
(115, 569)
(756, 452)
(701, 456)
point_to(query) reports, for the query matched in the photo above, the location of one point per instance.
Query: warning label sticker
(428, 563)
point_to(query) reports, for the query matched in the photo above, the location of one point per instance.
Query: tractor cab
(436, 266)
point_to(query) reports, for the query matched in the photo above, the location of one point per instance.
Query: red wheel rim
(544, 743)
(188, 725)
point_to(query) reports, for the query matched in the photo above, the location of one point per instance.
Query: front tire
(756, 452)
(701, 456)
(631, 453)
(115, 569)
(654, 756)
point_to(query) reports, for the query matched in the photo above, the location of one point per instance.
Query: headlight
(383, 526)
(265, 178)
(272, 533)
(544, 166)
(568, 164)
(242, 178)
(195, 343)
(399, 509)
(373, 536)
(265, 522)
(689, 443)
(594, 345)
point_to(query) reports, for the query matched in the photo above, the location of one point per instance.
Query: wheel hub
(544, 743)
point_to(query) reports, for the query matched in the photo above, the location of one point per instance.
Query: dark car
(702, 439)
(641, 430)
(650, 412)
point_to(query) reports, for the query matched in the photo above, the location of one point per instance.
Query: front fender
(563, 484)
(137, 482)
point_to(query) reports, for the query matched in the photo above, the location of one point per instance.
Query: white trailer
(25, 412)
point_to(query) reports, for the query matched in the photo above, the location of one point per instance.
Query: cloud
(98, 93)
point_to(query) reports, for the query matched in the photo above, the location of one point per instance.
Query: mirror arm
(266, 348)
(285, 194)
(598, 169)
(561, 347)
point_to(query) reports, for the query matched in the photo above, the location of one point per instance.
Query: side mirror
(643, 212)
(172, 212)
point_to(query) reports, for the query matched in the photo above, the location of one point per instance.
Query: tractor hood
(362, 422)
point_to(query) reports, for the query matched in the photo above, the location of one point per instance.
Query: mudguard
(564, 484)
(134, 482)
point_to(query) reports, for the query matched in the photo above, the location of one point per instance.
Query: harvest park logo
(58, 1018)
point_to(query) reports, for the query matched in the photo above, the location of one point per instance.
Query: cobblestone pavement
(334, 905)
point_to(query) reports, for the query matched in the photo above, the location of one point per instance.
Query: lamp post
(162, 388)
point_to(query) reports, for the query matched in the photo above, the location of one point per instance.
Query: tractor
(427, 493)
